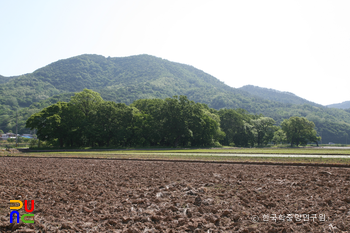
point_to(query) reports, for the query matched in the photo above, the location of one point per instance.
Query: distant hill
(343, 105)
(125, 79)
(275, 95)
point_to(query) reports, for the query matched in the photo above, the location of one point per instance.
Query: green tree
(151, 111)
(212, 133)
(299, 131)
(49, 123)
(86, 101)
(33, 142)
(112, 123)
(141, 132)
(177, 114)
(20, 140)
(263, 129)
(11, 140)
(237, 127)
(85, 105)
(279, 137)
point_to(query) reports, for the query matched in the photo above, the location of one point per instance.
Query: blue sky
(298, 46)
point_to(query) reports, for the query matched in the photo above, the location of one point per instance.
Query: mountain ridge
(111, 75)
(342, 105)
(4, 79)
(126, 79)
(276, 95)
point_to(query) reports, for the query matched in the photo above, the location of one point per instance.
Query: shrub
(33, 143)
(11, 140)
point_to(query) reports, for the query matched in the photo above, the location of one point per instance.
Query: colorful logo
(25, 208)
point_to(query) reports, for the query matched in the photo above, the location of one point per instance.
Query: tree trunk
(177, 141)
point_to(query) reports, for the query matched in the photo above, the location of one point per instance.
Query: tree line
(88, 120)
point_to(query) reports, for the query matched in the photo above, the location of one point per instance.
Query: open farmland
(98, 195)
(281, 156)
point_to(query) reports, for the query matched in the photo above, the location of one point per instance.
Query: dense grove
(88, 120)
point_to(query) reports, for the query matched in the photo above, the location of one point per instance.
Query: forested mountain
(343, 105)
(126, 79)
(275, 95)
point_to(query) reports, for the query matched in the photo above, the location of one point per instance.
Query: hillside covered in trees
(126, 79)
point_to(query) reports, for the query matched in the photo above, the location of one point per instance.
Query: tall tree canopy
(299, 131)
(88, 120)
(263, 130)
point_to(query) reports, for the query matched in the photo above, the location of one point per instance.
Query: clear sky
(298, 46)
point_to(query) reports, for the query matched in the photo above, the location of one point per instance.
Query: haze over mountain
(343, 105)
(125, 79)
(275, 95)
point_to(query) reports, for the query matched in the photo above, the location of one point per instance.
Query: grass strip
(175, 156)
(308, 151)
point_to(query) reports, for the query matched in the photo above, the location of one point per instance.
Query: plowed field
(77, 195)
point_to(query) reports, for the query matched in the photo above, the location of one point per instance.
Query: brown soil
(76, 195)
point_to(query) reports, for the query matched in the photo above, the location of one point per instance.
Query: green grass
(310, 151)
(176, 156)
(5, 144)
(301, 151)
